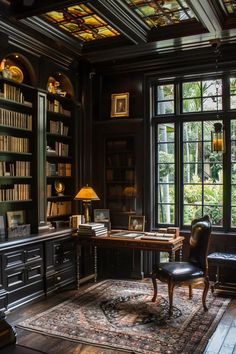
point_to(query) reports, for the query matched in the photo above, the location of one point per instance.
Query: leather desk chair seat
(190, 273)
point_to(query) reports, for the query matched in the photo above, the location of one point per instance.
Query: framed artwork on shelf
(15, 218)
(2, 226)
(136, 223)
(101, 215)
(120, 104)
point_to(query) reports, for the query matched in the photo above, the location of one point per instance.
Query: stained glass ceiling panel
(158, 13)
(230, 6)
(81, 22)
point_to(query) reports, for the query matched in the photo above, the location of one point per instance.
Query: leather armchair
(192, 272)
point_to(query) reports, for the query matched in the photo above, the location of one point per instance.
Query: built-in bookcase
(59, 156)
(17, 147)
(120, 179)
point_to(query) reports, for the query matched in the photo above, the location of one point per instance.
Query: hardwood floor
(223, 340)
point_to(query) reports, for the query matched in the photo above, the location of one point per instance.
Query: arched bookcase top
(16, 67)
(60, 84)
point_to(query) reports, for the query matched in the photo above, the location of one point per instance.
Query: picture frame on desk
(136, 223)
(101, 215)
(15, 218)
(2, 226)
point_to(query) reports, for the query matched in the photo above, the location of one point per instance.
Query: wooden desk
(170, 246)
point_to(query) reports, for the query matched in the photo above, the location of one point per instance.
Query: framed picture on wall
(120, 104)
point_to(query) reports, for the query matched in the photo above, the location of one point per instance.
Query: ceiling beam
(207, 15)
(118, 15)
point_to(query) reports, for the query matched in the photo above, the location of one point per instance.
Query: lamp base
(86, 212)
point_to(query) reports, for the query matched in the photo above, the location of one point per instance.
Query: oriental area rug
(119, 314)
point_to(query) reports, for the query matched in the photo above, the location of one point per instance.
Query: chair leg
(170, 293)
(205, 291)
(154, 282)
(190, 291)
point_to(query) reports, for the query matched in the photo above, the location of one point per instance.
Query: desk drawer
(12, 259)
(33, 253)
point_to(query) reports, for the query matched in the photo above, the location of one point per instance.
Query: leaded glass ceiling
(161, 12)
(230, 6)
(81, 22)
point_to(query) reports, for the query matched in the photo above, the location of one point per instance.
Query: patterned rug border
(198, 350)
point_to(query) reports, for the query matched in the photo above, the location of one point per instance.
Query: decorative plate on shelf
(59, 187)
(17, 73)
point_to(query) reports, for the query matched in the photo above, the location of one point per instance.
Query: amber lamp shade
(217, 138)
(86, 194)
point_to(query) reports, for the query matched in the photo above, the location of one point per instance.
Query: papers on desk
(157, 236)
(127, 234)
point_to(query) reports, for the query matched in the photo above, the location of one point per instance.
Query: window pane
(166, 133)
(165, 107)
(165, 99)
(166, 173)
(233, 151)
(233, 173)
(233, 217)
(233, 129)
(166, 213)
(233, 85)
(166, 193)
(192, 131)
(166, 152)
(233, 102)
(212, 104)
(215, 213)
(233, 197)
(192, 105)
(211, 87)
(192, 172)
(213, 173)
(193, 193)
(191, 89)
(192, 152)
(165, 92)
(191, 212)
(201, 190)
(213, 194)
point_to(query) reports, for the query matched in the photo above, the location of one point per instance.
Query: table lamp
(86, 194)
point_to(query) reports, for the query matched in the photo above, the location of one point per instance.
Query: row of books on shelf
(58, 208)
(56, 107)
(121, 159)
(13, 144)
(16, 168)
(15, 192)
(92, 229)
(60, 169)
(13, 93)
(58, 127)
(61, 149)
(15, 119)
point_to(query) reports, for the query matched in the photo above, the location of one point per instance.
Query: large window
(189, 175)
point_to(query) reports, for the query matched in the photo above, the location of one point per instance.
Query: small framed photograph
(120, 104)
(15, 218)
(101, 215)
(136, 223)
(2, 226)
